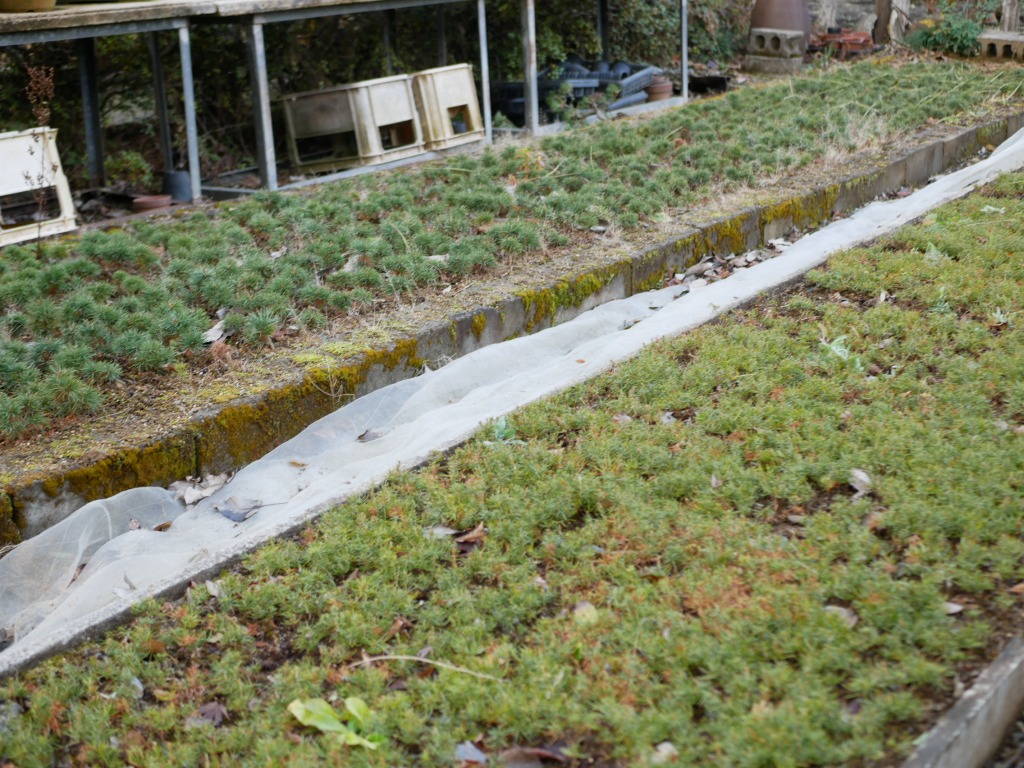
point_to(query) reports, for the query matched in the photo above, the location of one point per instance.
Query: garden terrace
(103, 338)
(787, 538)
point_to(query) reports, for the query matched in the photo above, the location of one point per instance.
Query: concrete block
(956, 148)
(773, 65)
(1014, 123)
(1002, 45)
(970, 733)
(992, 135)
(778, 43)
(923, 163)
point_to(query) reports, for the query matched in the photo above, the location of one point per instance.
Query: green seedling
(1000, 318)
(318, 714)
(941, 305)
(839, 348)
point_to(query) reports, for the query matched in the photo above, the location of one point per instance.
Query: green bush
(956, 31)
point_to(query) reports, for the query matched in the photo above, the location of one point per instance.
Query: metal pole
(685, 73)
(261, 107)
(602, 28)
(442, 37)
(389, 25)
(530, 66)
(86, 48)
(189, 96)
(485, 70)
(160, 96)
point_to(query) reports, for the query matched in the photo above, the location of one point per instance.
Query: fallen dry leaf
(861, 482)
(585, 613)
(952, 609)
(665, 752)
(529, 757)
(238, 510)
(398, 625)
(467, 753)
(1018, 589)
(875, 520)
(847, 615)
(473, 536)
(161, 527)
(152, 647)
(213, 713)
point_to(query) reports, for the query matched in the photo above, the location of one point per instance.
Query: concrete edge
(229, 436)
(971, 732)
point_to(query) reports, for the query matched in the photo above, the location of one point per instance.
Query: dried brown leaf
(474, 536)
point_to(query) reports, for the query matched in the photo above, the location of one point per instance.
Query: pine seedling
(260, 326)
(66, 395)
(312, 319)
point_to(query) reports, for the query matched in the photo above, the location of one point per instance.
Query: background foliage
(312, 54)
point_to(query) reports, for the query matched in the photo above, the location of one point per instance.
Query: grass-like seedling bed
(784, 539)
(84, 312)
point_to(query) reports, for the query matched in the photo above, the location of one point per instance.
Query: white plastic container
(448, 105)
(366, 123)
(32, 166)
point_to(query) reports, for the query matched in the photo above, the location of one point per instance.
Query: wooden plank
(310, 8)
(95, 14)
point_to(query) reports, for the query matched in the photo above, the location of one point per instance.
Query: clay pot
(25, 6)
(659, 89)
(781, 14)
(151, 202)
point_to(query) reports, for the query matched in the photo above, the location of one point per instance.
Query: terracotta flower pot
(25, 6)
(659, 89)
(151, 202)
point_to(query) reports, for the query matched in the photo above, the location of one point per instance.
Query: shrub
(260, 326)
(67, 395)
(115, 247)
(956, 31)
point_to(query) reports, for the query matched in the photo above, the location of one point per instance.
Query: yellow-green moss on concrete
(479, 324)
(156, 463)
(10, 533)
(804, 211)
(243, 431)
(541, 305)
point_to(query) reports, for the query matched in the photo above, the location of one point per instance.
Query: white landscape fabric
(89, 569)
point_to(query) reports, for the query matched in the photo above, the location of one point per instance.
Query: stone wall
(858, 15)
